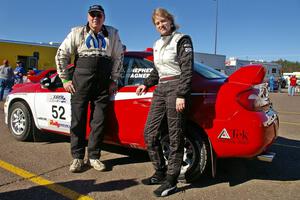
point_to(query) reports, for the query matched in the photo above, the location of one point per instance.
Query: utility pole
(216, 32)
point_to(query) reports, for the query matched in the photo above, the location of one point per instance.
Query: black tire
(20, 122)
(196, 159)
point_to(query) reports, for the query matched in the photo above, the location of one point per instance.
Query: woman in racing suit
(173, 59)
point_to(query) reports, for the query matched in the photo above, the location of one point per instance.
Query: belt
(169, 78)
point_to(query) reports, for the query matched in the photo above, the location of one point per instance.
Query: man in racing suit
(98, 59)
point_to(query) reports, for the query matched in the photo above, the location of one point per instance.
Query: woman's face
(163, 25)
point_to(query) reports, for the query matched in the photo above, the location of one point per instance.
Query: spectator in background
(6, 78)
(271, 83)
(35, 70)
(279, 81)
(292, 85)
(19, 72)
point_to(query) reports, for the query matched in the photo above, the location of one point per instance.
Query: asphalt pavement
(39, 170)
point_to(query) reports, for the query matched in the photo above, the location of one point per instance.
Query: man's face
(96, 20)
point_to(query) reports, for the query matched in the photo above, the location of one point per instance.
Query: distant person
(271, 83)
(279, 82)
(292, 85)
(19, 72)
(35, 70)
(6, 78)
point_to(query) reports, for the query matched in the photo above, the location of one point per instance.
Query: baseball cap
(96, 8)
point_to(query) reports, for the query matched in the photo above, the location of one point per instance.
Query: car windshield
(208, 72)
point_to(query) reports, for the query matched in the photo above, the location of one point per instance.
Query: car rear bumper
(270, 134)
(271, 126)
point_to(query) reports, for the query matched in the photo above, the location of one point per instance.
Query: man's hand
(141, 89)
(113, 88)
(69, 87)
(180, 104)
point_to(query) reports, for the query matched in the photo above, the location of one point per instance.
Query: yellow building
(40, 55)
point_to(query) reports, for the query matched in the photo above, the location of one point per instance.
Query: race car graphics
(141, 72)
(234, 136)
(58, 98)
(58, 124)
(56, 109)
(130, 95)
(224, 134)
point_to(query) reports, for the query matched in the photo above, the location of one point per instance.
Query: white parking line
(289, 113)
(290, 123)
(66, 192)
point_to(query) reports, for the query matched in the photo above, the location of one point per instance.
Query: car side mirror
(45, 82)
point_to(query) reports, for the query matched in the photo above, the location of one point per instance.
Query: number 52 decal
(58, 112)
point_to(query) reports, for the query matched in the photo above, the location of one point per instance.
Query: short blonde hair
(164, 13)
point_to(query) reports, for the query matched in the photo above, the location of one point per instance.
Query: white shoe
(97, 164)
(76, 165)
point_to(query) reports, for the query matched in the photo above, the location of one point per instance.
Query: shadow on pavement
(235, 171)
(133, 155)
(50, 138)
(81, 187)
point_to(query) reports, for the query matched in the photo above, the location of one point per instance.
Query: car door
(130, 111)
(53, 110)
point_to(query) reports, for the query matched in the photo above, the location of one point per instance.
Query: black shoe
(165, 189)
(154, 180)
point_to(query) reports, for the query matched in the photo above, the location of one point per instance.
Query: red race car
(230, 116)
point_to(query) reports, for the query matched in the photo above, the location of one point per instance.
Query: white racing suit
(173, 59)
(98, 60)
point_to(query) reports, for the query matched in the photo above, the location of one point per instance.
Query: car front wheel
(196, 155)
(20, 122)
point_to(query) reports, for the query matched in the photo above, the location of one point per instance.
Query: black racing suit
(163, 109)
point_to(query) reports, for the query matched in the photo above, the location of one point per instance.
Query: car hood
(25, 87)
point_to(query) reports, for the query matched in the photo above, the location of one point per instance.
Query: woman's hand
(180, 104)
(141, 89)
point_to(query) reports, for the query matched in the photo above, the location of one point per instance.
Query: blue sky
(248, 29)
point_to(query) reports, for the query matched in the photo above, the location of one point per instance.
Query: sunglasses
(96, 14)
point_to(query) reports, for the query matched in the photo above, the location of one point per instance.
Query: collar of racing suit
(103, 30)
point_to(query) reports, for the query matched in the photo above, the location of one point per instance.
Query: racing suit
(98, 59)
(173, 59)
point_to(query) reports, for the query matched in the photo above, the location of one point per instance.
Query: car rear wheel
(196, 155)
(20, 122)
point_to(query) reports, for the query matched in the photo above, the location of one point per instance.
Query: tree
(289, 66)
